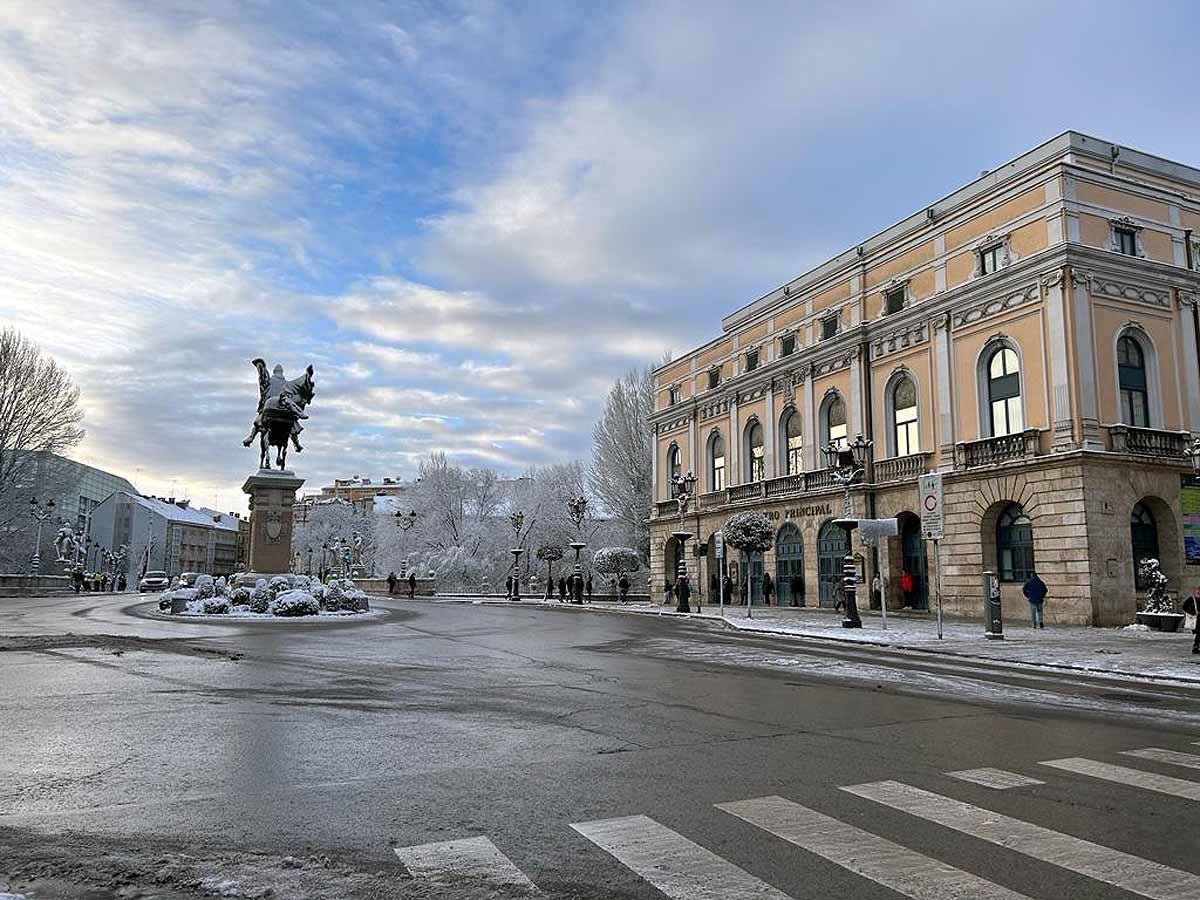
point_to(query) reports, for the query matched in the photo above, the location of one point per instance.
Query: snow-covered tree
(1157, 598)
(749, 531)
(622, 447)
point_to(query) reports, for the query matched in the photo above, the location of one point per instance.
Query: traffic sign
(871, 530)
(931, 506)
(719, 544)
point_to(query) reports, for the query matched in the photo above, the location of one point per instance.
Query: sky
(471, 217)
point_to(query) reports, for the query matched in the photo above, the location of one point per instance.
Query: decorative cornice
(910, 335)
(1136, 293)
(836, 363)
(994, 306)
(714, 408)
(1187, 298)
(754, 393)
(676, 424)
(1079, 278)
(1051, 280)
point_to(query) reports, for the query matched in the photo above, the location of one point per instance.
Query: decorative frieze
(1136, 293)
(674, 424)
(836, 363)
(911, 335)
(714, 408)
(995, 306)
(1187, 298)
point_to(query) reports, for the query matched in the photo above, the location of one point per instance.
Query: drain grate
(1133, 698)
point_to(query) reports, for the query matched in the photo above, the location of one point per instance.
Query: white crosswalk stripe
(1131, 873)
(898, 868)
(1150, 781)
(1172, 757)
(677, 867)
(995, 778)
(476, 859)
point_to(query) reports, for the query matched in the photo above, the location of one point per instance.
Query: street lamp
(684, 486)
(577, 512)
(40, 514)
(517, 521)
(405, 522)
(1193, 453)
(308, 568)
(847, 463)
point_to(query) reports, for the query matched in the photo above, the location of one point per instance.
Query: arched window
(716, 462)
(793, 443)
(835, 422)
(756, 462)
(1143, 532)
(674, 467)
(1131, 376)
(905, 438)
(1004, 392)
(1014, 544)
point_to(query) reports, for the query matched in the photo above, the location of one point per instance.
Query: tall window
(1131, 374)
(1004, 392)
(1014, 544)
(674, 467)
(829, 327)
(793, 445)
(1126, 241)
(835, 422)
(716, 463)
(714, 378)
(904, 417)
(673, 396)
(787, 345)
(751, 360)
(1143, 531)
(756, 462)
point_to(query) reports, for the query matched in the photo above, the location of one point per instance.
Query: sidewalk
(1116, 651)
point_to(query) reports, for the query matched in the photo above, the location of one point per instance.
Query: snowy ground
(1123, 651)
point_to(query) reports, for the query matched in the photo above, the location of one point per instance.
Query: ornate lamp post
(308, 568)
(1193, 453)
(684, 486)
(324, 554)
(517, 521)
(40, 514)
(405, 521)
(848, 464)
(577, 511)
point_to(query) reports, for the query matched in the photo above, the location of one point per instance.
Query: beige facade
(1032, 336)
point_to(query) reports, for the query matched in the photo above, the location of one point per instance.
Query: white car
(154, 581)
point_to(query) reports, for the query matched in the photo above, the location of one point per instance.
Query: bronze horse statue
(281, 405)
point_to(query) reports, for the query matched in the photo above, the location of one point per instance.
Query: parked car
(154, 581)
(188, 579)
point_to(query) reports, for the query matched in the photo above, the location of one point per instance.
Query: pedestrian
(112, 583)
(589, 588)
(577, 588)
(668, 593)
(907, 585)
(876, 592)
(391, 581)
(77, 578)
(768, 588)
(623, 586)
(796, 583)
(746, 590)
(1035, 592)
(412, 585)
(1191, 609)
(97, 580)
(121, 583)
(562, 589)
(727, 588)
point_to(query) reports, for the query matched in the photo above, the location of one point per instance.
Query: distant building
(76, 488)
(168, 535)
(362, 491)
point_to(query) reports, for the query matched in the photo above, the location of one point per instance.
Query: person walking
(623, 587)
(876, 592)
(412, 585)
(1035, 592)
(562, 589)
(907, 585)
(121, 583)
(77, 578)
(1191, 608)
(796, 583)
(589, 589)
(668, 593)
(391, 582)
(768, 588)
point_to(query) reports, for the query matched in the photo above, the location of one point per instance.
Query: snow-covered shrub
(616, 560)
(240, 596)
(295, 603)
(1157, 598)
(214, 606)
(279, 584)
(205, 587)
(259, 602)
(749, 531)
(222, 587)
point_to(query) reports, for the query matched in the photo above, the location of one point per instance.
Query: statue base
(272, 496)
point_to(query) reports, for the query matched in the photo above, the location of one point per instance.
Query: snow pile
(283, 596)
(1137, 628)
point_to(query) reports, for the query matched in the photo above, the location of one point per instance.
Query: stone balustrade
(995, 450)
(901, 468)
(1168, 445)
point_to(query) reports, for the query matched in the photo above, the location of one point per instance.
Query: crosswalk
(675, 866)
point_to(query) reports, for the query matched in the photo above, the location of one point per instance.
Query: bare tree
(621, 455)
(39, 416)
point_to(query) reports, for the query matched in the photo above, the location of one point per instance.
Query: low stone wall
(33, 585)
(425, 586)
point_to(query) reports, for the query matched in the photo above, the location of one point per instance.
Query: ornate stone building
(1033, 336)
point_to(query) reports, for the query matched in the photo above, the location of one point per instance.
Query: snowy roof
(198, 515)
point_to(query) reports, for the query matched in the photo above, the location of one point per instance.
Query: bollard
(992, 612)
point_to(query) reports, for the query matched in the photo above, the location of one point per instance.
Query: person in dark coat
(412, 585)
(768, 588)
(668, 593)
(727, 588)
(796, 583)
(623, 587)
(121, 583)
(562, 589)
(77, 578)
(391, 581)
(1191, 606)
(1035, 592)
(589, 589)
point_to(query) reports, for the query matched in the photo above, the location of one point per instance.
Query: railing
(901, 468)
(1148, 442)
(668, 508)
(771, 489)
(821, 480)
(994, 450)
(787, 485)
(742, 492)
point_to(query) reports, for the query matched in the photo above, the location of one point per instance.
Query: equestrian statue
(281, 406)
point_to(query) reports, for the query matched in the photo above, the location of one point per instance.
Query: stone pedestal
(272, 495)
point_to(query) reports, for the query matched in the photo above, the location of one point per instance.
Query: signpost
(932, 528)
(719, 544)
(869, 532)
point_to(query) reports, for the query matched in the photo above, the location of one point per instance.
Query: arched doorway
(751, 568)
(1143, 533)
(712, 569)
(832, 545)
(789, 566)
(670, 565)
(914, 562)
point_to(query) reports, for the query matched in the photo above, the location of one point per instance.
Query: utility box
(992, 612)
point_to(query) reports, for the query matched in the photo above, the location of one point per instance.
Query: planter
(1161, 621)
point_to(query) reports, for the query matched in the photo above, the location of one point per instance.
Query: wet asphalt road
(437, 721)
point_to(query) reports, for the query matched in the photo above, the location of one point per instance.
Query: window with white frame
(793, 443)
(829, 327)
(1004, 392)
(674, 466)
(905, 434)
(836, 431)
(991, 258)
(893, 300)
(1131, 378)
(756, 459)
(716, 462)
(673, 396)
(1125, 241)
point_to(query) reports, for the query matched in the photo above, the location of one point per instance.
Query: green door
(832, 547)
(789, 566)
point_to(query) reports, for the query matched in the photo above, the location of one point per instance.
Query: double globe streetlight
(40, 514)
(847, 463)
(684, 487)
(517, 521)
(577, 512)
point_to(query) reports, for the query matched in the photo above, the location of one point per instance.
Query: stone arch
(670, 564)
(832, 546)
(789, 565)
(1167, 536)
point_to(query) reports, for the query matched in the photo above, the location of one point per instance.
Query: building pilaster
(811, 439)
(769, 432)
(1085, 360)
(1191, 364)
(943, 378)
